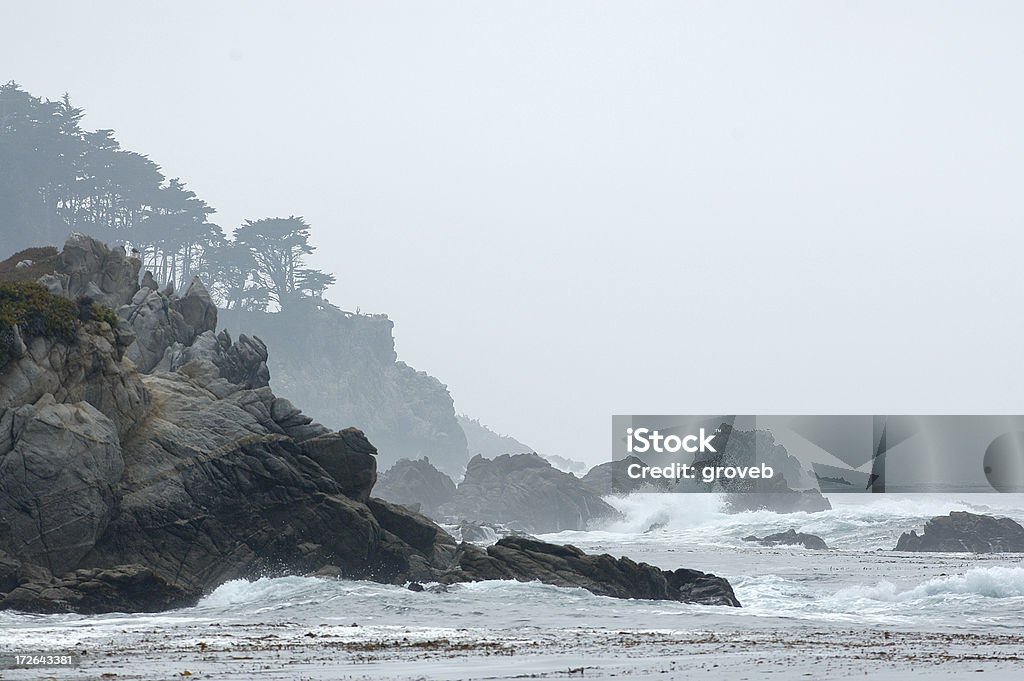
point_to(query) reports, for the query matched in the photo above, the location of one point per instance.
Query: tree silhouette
(56, 177)
(278, 247)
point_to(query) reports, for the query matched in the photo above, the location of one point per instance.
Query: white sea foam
(987, 582)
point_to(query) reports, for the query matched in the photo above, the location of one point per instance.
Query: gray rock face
(91, 269)
(92, 370)
(791, 538)
(357, 379)
(526, 559)
(241, 363)
(526, 493)
(347, 456)
(161, 321)
(59, 464)
(962, 532)
(416, 484)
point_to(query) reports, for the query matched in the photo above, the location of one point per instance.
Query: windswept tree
(278, 247)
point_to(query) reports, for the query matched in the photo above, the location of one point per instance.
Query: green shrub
(36, 312)
(105, 314)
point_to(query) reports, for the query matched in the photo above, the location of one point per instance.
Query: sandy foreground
(288, 651)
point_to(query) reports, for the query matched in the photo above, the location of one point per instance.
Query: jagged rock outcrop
(791, 538)
(526, 559)
(416, 484)
(161, 320)
(202, 479)
(89, 269)
(963, 532)
(90, 369)
(240, 363)
(525, 492)
(357, 378)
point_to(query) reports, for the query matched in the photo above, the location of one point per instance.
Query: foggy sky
(579, 209)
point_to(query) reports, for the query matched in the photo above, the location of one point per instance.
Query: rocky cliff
(145, 460)
(344, 369)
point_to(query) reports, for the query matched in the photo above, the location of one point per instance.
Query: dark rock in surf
(122, 588)
(791, 538)
(525, 559)
(963, 532)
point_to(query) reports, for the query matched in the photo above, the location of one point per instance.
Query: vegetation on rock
(30, 310)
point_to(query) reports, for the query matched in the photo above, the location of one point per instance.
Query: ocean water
(860, 587)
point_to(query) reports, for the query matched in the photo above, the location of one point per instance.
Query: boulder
(416, 484)
(791, 538)
(963, 532)
(347, 456)
(59, 464)
(197, 308)
(526, 493)
(122, 588)
(526, 559)
(90, 268)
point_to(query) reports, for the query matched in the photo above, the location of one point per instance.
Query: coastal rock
(416, 484)
(357, 378)
(129, 491)
(90, 369)
(242, 363)
(161, 321)
(347, 456)
(791, 538)
(526, 559)
(59, 464)
(122, 588)
(527, 493)
(963, 532)
(90, 268)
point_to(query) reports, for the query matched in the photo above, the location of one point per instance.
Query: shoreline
(291, 651)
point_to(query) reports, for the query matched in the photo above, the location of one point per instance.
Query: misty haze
(314, 318)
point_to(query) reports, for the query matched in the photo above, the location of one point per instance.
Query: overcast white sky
(577, 209)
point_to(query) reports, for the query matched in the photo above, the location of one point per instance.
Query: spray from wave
(856, 522)
(989, 582)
